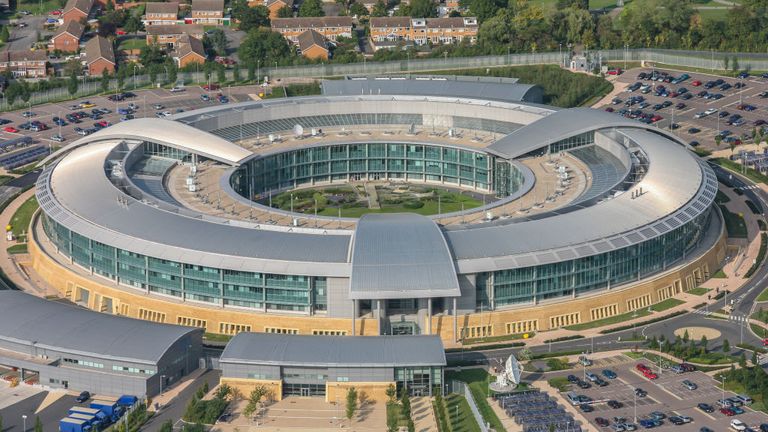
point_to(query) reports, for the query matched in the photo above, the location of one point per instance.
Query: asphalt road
(22, 38)
(50, 416)
(175, 410)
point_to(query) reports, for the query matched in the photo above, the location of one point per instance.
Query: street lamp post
(162, 378)
(722, 378)
(24, 422)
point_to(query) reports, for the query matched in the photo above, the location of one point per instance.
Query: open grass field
(666, 304)
(20, 219)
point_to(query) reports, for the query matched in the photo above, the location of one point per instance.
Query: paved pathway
(423, 414)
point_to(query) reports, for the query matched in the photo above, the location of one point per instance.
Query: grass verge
(701, 290)
(478, 380)
(734, 223)
(611, 320)
(760, 256)
(17, 249)
(20, 219)
(666, 304)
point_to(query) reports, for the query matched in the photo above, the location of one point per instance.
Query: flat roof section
(401, 255)
(334, 351)
(35, 322)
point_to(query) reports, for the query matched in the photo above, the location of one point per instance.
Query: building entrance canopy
(401, 255)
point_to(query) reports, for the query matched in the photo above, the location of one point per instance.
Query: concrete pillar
(354, 317)
(455, 321)
(429, 315)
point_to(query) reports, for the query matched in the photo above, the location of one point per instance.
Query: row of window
(85, 363)
(133, 370)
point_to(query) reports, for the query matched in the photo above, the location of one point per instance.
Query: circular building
(239, 217)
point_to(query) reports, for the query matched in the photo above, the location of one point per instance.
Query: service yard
(667, 394)
(730, 100)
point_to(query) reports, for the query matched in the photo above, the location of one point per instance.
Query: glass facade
(419, 381)
(191, 282)
(374, 161)
(596, 272)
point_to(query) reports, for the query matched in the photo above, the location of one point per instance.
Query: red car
(641, 367)
(696, 83)
(617, 71)
(11, 129)
(728, 412)
(765, 342)
(211, 87)
(56, 12)
(650, 375)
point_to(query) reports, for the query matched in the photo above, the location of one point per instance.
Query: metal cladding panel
(79, 185)
(334, 351)
(169, 133)
(507, 92)
(402, 255)
(36, 322)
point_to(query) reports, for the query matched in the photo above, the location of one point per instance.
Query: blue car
(609, 374)
(647, 423)
(737, 410)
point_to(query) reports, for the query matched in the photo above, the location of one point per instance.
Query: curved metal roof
(166, 132)
(77, 193)
(560, 125)
(401, 255)
(334, 351)
(35, 322)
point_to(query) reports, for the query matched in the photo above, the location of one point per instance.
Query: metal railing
(703, 60)
(462, 388)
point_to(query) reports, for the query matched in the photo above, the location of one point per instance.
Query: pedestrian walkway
(170, 393)
(423, 415)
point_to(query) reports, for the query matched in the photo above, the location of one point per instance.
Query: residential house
(76, 10)
(274, 6)
(210, 12)
(24, 64)
(388, 30)
(67, 37)
(313, 45)
(189, 50)
(331, 27)
(100, 56)
(169, 35)
(160, 13)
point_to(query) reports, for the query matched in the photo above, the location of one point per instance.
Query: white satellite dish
(298, 130)
(509, 378)
(271, 138)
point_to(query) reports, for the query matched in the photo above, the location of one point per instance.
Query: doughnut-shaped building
(586, 215)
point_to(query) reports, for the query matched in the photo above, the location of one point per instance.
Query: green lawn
(720, 274)
(35, 6)
(734, 223)
(213, 337)
(459, 414)
(560, 383)
(763, 296)
(478, 380)
(700, 290)
(736, 167)
(611, 320)
(18, 249)
(430, 208)
(759, 331)
(128, 44)
(666, 304)
(20, 220)
(503, 338)
(600, 4)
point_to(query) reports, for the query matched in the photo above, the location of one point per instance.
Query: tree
(391, 393)
(718, 140)
(358, 9)
(151, 54)
(221, 74)
(483, 9)
(423, 9)
(153, 74)
(72, 83)
(217, 41)
(392, 421)
(38, 424)
(754, 358)
(120, 75)
(249, 17)
(726, 346)
(703, 344)
(236, 73)
(4, 34)
(411, 425)
(132, 24)
(251, 72)
(258, 393)
(104, 81)
(726, 61)
(173, 73)
(735, 64)
(285, 12)
(311, 8)
(351, 407)
(405, 401)
(379, 9)
(262, 44)
(742, 360)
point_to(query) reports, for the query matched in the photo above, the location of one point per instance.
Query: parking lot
(666, 394)
(148, 102)
(730, 100)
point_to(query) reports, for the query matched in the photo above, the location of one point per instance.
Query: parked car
(10, 129)
(586, 408)
(693, 130)
(57, 138)
(609, 374)
(640, 393)
(602, 422)
(727, 412)
(707, 408)
(84, 396)
(690, 385)
(738, 425)
(615, 404)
